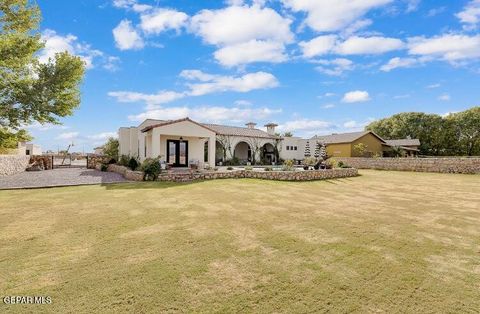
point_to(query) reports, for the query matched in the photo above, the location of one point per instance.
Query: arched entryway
(243, 152)
(268, 154)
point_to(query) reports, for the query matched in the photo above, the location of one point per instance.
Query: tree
(466, 125)
(255, 147)
(110, 149)
(360, 149)
(30, 90)
(435, 133)
(9, 140)
(225, 145)
(288, 134)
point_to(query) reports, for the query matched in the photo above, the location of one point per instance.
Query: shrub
(340, 164)
(268, 169)
(309, 161)
(112, 161)
(103, 167)
(288, 165)
(229, 168)
(151, 168)
(232, 162)
(133, 163)
(123, 161)
(248, 168)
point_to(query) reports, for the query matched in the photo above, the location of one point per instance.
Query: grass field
(381, 242)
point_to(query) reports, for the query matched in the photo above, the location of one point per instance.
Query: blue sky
(313, 67)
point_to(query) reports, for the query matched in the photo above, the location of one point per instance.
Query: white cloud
(334, 67)
(436, 85)
(111, 64)
(251, 51)
(399, 63)
(351, 124)
(103, 136)
(355, 45)
(127, 37)
(450, 47)
(262, 39)
(207, 113)
(356, 96)
(68, 136)
(325, 15)
(161, 97)
(470, 16)
(303, 125)
(328, 106)
(318, 46)
(444, 97)
(368, 45)
(123, 3)
(55, 43)
(242, 102)
(404, 96)
(412, 5)
(229, 25)
(209, 83)
(160, 20)
(200, 83)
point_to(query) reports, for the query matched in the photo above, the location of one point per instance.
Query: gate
(69, 161)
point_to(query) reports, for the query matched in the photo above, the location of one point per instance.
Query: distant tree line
(457, 134)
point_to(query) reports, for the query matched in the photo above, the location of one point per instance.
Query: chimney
(271, 128)
(251, 125)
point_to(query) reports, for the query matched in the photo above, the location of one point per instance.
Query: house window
(28, 152)
(295, 148)
(288, 147)
(145, 150)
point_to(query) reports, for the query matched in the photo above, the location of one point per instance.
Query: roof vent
(251, 125)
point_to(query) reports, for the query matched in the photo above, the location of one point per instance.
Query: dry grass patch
(383, 242)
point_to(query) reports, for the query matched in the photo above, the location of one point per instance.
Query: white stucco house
(28, 149)
(183, 142)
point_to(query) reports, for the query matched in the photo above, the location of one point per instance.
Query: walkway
(59, 177)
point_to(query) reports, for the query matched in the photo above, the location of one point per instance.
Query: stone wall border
(13, 164)
(460, 165)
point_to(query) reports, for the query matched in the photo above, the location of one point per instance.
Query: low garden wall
(93, 161)
(212, 175)
(12, 164)
(266, 175)
(441, 165)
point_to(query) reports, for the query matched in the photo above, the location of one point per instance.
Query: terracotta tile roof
(343, 137)
(238, 131)
(404, 142)
(167, 122)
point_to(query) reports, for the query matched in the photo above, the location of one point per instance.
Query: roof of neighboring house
(344, 137)
(168, 122)
(404, 142)
(238, 131)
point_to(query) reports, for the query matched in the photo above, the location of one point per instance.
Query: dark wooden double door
(177, 153)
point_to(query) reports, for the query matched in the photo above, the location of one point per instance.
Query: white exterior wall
(298, 154)
(31, 148)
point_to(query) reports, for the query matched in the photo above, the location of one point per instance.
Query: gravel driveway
(59, 177)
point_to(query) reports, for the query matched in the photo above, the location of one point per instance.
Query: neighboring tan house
(343, 144)
(28, 149)
(184, 142)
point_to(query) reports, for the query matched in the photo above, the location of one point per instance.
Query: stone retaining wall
(93, 160)
(12, 164)
(442, 165)
(46, 161)
(266, 175)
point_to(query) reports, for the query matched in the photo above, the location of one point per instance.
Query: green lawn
(381, 242)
